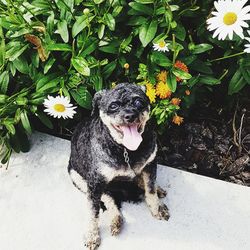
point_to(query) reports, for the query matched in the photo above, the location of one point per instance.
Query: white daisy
(161, 46)
(229, 18)
(247, 49)
(59, 106)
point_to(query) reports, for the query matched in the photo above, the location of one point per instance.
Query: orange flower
(150, 92)
(182, 66)
(162, 90)
(162, 76)
(177, 120)
(187, 92)
(176, 101)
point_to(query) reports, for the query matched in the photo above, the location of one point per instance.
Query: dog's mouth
(131, 135)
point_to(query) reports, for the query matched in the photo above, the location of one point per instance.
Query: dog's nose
(130, 117)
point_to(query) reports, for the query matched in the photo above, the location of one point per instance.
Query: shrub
(74, 48)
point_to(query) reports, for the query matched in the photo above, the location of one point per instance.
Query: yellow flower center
(59, 107)
(229, 18)
(162, 44)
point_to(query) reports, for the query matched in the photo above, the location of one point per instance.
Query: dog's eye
(114, 106)
(139, 103)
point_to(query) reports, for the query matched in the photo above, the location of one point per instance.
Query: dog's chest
(131, 170)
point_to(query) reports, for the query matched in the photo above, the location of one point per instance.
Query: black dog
(115, 145)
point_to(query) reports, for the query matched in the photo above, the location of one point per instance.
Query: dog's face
(125, 111)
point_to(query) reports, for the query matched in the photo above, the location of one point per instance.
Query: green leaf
(98, 1)
(171, 81)
(45, 120)
(2, 47)
(237, 83)
(37, 100)
(160, 59)
(147, 32)
(25, 122)
(10, 127)
(3, 98)
(35, 59)
(50, 86)
(21, 65)
(82, 97)
(97, 81)
(188, 59)
(63, 30)
(80, 24)
(200, 66)
(42, 4)
(201, 48)
(47, 81)
(193, 81)
(90, 47)
(180, 32)
(110, 21)
(111, 49)
(144, 1)
(244, 69)
(15, 52)
(108, 69)
(59, 47)
(50, 23)
(81, 65)
(49, 64)
(181, 74)
(4, 82)
(137, 20)
(141, 8)
(209, 80)
(101, 30)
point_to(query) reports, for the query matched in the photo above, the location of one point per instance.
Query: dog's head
(125, 111)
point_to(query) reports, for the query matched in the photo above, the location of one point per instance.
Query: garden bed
(213, 141)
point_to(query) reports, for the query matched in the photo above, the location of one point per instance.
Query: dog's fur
(97, 155)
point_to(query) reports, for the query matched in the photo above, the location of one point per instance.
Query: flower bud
(126, 66)
(86, 11)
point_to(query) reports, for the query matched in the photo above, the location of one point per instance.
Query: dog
(114, 146)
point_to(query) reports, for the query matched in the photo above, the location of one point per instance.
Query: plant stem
(174, 48)
(224, 74)
(226, 57)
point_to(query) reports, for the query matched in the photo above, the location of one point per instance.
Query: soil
(212, 142)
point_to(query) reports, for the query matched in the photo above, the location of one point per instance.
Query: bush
(75, 48)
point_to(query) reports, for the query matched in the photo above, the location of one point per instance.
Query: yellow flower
(150, 92)
(162, 90)
(176, 101)
(177, 120)
(162, 76)
(187, 92)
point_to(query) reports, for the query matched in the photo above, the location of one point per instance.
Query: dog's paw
(161, 193)
(92, 241)
(163, 213)
(116, 225)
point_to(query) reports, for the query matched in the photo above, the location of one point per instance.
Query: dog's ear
(96, 102)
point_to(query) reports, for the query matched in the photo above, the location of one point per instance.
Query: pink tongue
(131, 137)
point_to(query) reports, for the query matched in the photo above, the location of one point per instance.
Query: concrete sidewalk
(40, 209)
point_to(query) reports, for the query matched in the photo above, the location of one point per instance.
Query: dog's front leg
(157, 208)
(94, 193)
